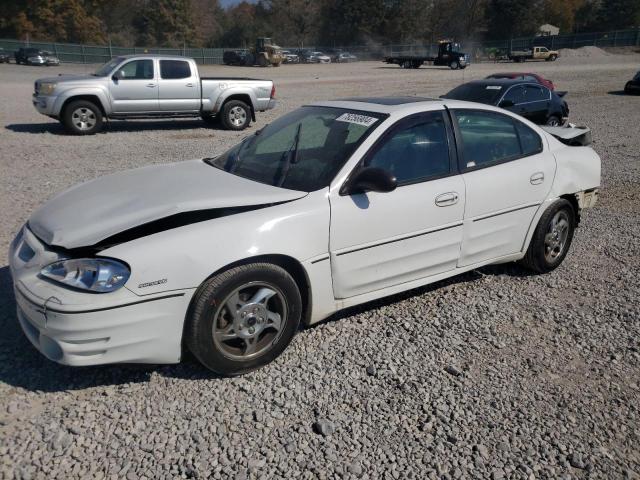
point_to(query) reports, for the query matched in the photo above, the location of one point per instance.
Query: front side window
(489, 138)
(174, 69)
(138, 70)
(303, 150)
(415, 150)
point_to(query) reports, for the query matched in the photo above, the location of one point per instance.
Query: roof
(388, 100)
(503, 82)
(381, 104)
(152, 55)
(513, 74)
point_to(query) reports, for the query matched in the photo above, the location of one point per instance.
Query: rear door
(508, 172)
(538, 101)
(137, 90)
(179, 87)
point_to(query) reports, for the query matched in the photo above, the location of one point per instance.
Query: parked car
(290, 57)
(150, 86)
(228, 255)
(633, 85)
(529, 77)
(4, 56)
(235, 57)
(303, 55)
(345, 57)
(533, 101)
(34, 56)
(318, 57)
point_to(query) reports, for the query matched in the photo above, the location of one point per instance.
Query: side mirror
(506, 104)
(370, 179)
(119, 75)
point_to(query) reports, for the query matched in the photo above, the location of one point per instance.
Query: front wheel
(82, 118)
(242, 319)
(455, 65)
(552, 238)
(236, 115)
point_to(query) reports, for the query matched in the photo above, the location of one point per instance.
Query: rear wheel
(243, 318)
(554, 121)
(236, 115)
(406, 64)
(552, 238)
(82, 118)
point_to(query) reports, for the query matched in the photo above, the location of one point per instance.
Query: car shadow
(22, 366)
(56, 128)
(617, 92)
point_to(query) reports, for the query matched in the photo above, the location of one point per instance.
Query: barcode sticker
(493, 87)
(355, 118)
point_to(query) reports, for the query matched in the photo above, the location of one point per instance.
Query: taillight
(273, 91)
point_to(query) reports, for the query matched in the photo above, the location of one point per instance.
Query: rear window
(174, 69)
(476, 92)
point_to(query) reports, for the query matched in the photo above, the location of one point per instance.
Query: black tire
(405, 64)
(82, 107)
(454, 65)
(537, 258)
(208, 309)
(554, 121)
(231, 117)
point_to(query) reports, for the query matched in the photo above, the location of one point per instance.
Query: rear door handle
(537, 178)
(447, 199)
(189, 84)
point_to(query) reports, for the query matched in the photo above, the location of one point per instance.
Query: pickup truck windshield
(302, 150)
(476, 92)
(107, 68)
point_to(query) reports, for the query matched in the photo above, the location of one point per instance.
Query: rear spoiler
(572, 135)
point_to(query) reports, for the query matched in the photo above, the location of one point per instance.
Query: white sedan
(332, 205)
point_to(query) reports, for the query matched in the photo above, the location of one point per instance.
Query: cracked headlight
(98, 275)
(47, 88)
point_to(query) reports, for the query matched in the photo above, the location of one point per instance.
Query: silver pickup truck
(150, 86)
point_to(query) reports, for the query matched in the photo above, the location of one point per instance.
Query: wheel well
(89, 98)
(574, 203)
(243, 97)
(291, 265)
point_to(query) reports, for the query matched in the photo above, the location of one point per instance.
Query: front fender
(185, 257)
(96, 91)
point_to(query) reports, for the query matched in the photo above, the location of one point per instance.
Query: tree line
(204, 23)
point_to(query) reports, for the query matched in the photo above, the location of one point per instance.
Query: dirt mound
(590, 52)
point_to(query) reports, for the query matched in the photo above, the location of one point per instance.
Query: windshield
(303, 150)
(107, 68)
(476, 92)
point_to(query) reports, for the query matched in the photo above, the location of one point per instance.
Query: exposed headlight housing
(100, 275)
(47, 88)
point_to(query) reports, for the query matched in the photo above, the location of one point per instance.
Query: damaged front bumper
(82, 328)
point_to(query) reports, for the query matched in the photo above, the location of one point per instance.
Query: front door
(179, 87)
(508, 172)
(137, 89)
(378, 240)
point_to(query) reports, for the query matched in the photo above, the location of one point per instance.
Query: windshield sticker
(355, 118)
(493, 87)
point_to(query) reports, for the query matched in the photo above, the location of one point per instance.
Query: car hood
(69, 79)
(98, 209)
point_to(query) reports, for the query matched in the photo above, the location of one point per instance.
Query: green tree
(513, 18)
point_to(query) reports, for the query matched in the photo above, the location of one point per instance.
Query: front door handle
(189, 84)
(537, 178)
(151, 85)
(447, 199)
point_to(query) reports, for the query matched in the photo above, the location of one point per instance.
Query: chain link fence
(75, 53)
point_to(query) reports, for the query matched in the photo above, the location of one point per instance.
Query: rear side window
(515, 94)
(537, 94)
(490, 138)
(174, 69)
(415, 150)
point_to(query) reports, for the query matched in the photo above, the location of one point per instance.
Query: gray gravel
(494, 374)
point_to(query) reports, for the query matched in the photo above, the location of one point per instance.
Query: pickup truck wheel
(405, 64)
(552, 238)
(82, 118)
(243, 318)
(236, 115)
(454, 65)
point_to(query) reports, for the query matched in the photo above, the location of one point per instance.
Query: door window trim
(402, 123)
(173, 60)
(526, 85)
(462, 164)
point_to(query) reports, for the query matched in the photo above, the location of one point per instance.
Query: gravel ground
(494, 374)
